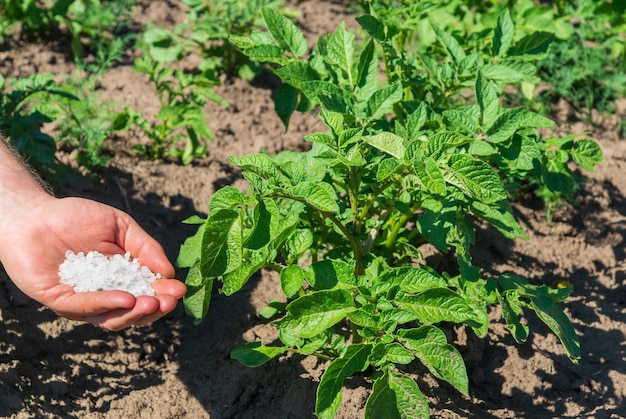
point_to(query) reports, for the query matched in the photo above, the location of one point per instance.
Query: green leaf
(409, 279)
(320, 196)
(388, 168)
(373, 26)
(488, 101)
(355, 359)
(285, 32)
(388, 142)
(534, 44)
(367, 76)
(291, 280)
(327, 274)
(198, 296)
(431, 176)
(312, 314)
(214, 258)
(190, 250)
(382, 101)
(501, 217)
(340, 50)
(553, 316)
(258, 163)
(464, 119)
(396, 396)
(238, 277)
(429, 344)
(438, 304)
(509, 121)
(587, 153)
(272, 53)
(451, 44)
(475, 178)
(517, 329)
(503, 34)
(254, 354)
(285, 102)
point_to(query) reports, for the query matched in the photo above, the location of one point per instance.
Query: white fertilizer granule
(96, 272)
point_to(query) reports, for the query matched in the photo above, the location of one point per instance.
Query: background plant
(402, 164)
(181, 118)
(97, 24)
(25, 105)
(588, 68)
(206, 35)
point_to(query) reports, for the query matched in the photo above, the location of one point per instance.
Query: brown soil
(52, 367)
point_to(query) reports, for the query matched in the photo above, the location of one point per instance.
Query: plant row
(584, 66)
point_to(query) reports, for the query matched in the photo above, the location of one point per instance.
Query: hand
(34, 245)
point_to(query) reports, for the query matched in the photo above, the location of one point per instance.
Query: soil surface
(52, 367)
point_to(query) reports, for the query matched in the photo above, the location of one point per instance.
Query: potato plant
(405, 161)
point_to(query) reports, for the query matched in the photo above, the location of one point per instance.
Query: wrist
(20, 192)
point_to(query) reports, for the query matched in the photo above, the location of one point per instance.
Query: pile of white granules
(96, 272)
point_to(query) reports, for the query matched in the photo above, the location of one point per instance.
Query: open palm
(35, 245)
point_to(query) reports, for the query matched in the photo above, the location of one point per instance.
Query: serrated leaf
(503, 34)
(285, 32)
(388, 142)
(255, 354)
(396, 396)
(381, 102)
(355, 359)
(313, 313)
(429, 344)
(438, 304)
(475, 178)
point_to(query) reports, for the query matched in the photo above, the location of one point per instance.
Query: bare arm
(37, 229)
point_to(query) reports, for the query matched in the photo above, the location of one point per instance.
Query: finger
(172, 287)
(167, 303)
(134, 239)
(83, 304)
(121, 318)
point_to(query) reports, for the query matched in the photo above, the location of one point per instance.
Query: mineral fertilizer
(96, 272)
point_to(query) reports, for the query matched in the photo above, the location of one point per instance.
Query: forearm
(19, 189)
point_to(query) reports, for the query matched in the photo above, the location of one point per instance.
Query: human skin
(37, 229)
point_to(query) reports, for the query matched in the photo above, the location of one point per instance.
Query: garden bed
(52, 367)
